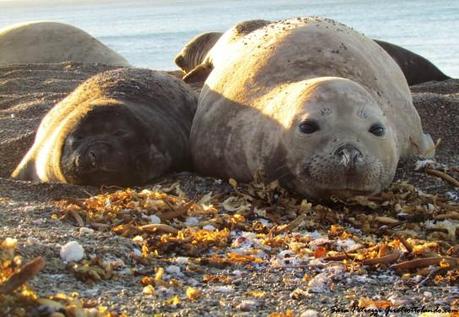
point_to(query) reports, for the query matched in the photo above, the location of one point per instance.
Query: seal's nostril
(348, 154)
(77, 161)
(92, 158)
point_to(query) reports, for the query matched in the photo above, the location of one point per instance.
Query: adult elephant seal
(312, 103)
(416, 68)
(52, 42)
(121, 127)
(195, 51)
(198, 56)
(205, 51)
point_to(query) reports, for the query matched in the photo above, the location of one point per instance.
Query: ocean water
(150, 33)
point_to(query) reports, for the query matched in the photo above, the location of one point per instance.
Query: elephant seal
(52, 42)
(120, 127)
(197, 61)
(310, 102)
(195, 51)
(212, 55)
(416, 68)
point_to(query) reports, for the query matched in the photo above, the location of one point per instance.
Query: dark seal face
(110, 146)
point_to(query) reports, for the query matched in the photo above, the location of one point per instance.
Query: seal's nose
(94, 156)
(348, 155)
(179, 61)
(98, 154)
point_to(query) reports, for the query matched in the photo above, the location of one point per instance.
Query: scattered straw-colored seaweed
(254, 223)
(18, 299)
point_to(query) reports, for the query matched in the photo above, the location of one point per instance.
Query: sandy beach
(28, 213)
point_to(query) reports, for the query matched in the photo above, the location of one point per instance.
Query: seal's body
(52, 42)
(416, 68)
(311, 102)
(199, 56)
(121, 127)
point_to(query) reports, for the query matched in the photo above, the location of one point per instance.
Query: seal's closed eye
(377, 129)
(309, 126)
(121, 133)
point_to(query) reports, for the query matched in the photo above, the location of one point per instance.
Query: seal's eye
(309, 127)
(377, 129)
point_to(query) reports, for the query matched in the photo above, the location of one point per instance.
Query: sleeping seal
(120, 127)
(52, 42)
(310, 102)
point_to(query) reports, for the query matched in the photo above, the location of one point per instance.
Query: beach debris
(407, 235)
(18, 299)
(91, 270)
(26, 273)
(71, 252)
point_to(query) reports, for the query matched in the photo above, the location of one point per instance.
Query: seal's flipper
(423, 147)
(25, 171)
(198, 74)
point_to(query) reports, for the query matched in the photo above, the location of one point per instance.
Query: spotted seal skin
(223, 47)
(121, 127)
(310, 102)
(197, 57)
(53, 42)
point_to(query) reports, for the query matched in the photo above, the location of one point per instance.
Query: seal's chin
(101, 177)
(322, 178)
(330, 190)
(345, 193)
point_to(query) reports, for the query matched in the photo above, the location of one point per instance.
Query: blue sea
(150, 33)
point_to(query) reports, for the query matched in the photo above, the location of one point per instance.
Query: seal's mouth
(344, 175)
(345, 193)
(98, 178)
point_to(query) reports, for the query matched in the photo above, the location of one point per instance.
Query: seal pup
(196, 58)
(310, 102)
(120, 127)
(53, 42)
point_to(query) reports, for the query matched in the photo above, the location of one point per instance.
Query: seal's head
(338, 142)
(194, 52)
(108, 147)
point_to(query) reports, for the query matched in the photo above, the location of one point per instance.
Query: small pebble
(209, 228)
(192, 221)
(181, 260)
(224, 289)
(247, 305)
(310, 313)
(154, 219)
(72, 252)
(86, 230)
(39, 221)
(173, 269)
